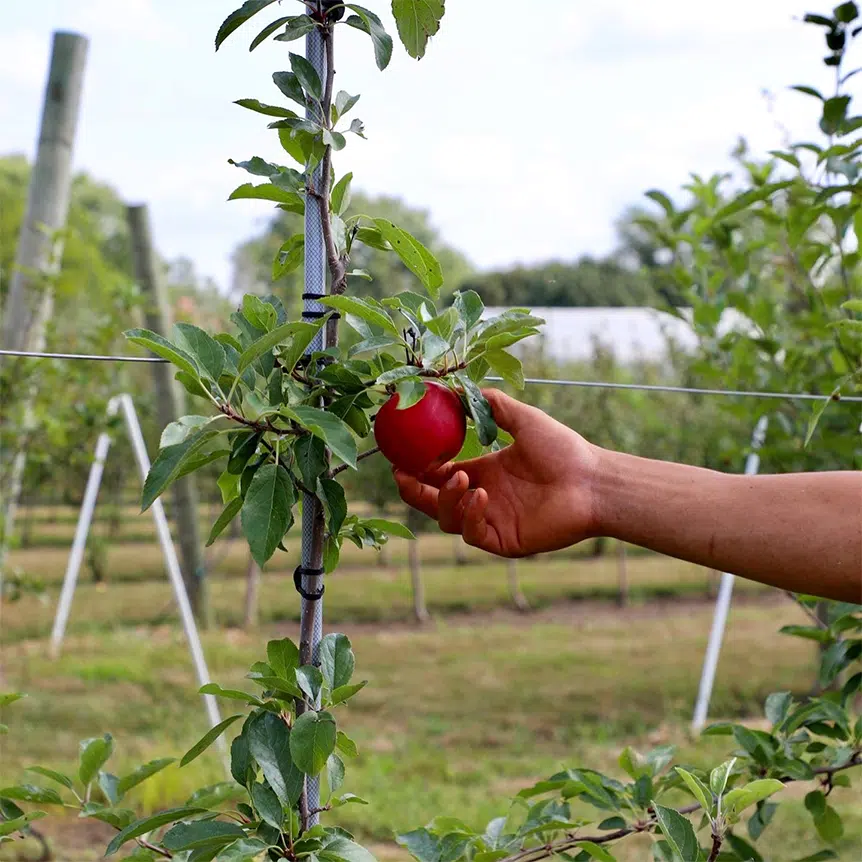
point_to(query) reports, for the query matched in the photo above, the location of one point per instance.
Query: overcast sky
(525, 131)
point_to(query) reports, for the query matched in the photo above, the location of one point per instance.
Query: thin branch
(716, 848)
(811, 615)
(361, 456)
(154, 849)
(571, 841)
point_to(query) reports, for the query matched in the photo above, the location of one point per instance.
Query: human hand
(531, 497)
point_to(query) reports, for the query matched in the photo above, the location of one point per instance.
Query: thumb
(509, 414)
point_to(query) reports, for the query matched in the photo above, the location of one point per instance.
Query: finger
(475, 529)
(509, 414)
(450, 502)
(416, 494)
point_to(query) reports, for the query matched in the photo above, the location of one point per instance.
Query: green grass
(457, 716)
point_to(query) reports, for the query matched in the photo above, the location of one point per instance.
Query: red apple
(423, 436)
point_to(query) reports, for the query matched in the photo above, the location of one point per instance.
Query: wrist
(604, 492)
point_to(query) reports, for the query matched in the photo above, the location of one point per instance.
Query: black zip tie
(298, 575)
(313, 295)
(316, 315)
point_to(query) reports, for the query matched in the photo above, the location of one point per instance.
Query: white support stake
(70, 580)
(172, 563)
(722, 604)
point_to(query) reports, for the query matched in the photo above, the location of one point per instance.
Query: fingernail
(453, 483)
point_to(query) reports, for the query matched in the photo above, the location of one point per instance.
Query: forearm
(799, 532)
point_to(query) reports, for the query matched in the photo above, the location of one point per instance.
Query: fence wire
(535, 381)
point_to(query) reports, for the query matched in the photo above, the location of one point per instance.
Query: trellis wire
(534, 381)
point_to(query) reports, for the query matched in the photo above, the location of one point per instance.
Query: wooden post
(420, 609)
(517, 596)
(252, 591)
(169, 401)
(622, 576)
(30, 300)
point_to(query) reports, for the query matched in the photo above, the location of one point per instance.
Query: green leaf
(778, 705)
(410, 392)
(307, 76)
(228, 514)
(269, 192)
(345, 744)
(334, 772)
(337, 660)
(240, 759)
(343, 849)
(397, 374)
(737, 800)
(207, 352)
(678, 832)
(814, 421)
(815, 802)
(92, 755)
(752, 196)
(369, 23)
(698, 789)
(332, 430)
(852, 305)
(595, 851)
(59, 777)
(363, 309)
(170, 463)
(269, 341)
(10, 697)
(269, 744)
(480, 410)
(662, 200)
(345, 798)
(208, 739)
(335, 502)
(469, 306)
(742, 848)
(297, 27)
(718, 777)
(258, 313)
(263, 108)
(267, 805)
(312, 740)
(32, 793)
(413, 255)
(331, 553)
(148, 824)
(310, 454)
(238, 18)
(507, 366)
(375, 344)
(417, 21)
(393, 528)
(819, 856)
(344, 692)
(283, 657)
(244, 850)
(267, 511)
(809, 91)
(142, 773)
(420, 844)
(310, 681)
(17, 824)
(162, 347)
(201, 833)
(340, 197)
(230, 693)
(267, 32)
(290, 354)
(176, 432)
(828, 824)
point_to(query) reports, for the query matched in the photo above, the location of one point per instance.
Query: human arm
(551, 489)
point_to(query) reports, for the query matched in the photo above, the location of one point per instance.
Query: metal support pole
(85, 517)
(30, 300)
(722, 605)
(311, 612)
(172, 564)
(169, 406)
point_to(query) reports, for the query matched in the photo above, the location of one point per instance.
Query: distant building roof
(632, 334)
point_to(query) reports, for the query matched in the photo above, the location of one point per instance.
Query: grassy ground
(457, 715)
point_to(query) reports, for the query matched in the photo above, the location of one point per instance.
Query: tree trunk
(514, 584)
(622, 576)
(599, 547)
(169, 403)
(460, 551)
(420, 609)
(252, 590)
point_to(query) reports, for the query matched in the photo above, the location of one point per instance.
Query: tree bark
(514, 584)
(420, 609)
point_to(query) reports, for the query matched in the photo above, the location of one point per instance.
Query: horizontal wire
(536, 381)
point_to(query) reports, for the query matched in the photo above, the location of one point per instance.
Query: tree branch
(361, 456)
(571, 841)
(152, 848)
(716, 848)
